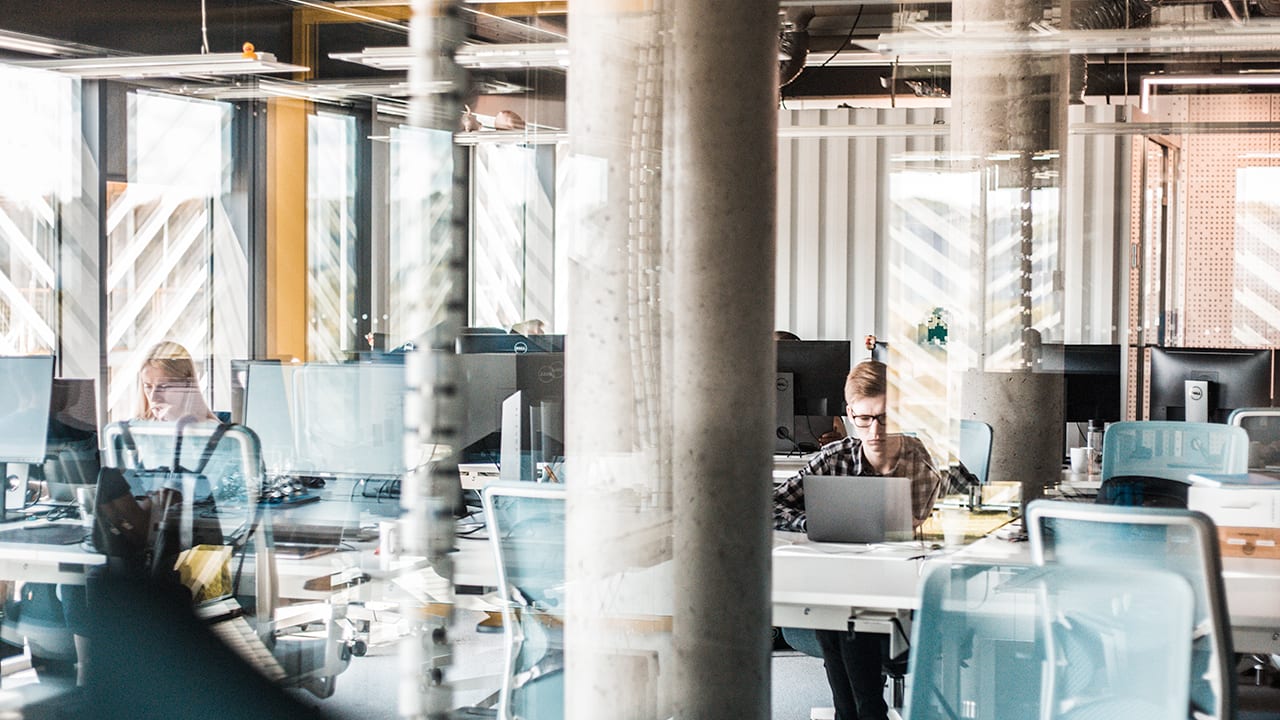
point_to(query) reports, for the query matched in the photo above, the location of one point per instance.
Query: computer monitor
(810, 383)
(239, 381)
(71, 454)
(1091, 380)
(500, 342)
(487, 380)
(328, 420)
(1232, 379)
(26, 390)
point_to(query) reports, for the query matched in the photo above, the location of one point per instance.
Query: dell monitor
(503, 342)
(1206, 385)
(810, 383)
(487, 380)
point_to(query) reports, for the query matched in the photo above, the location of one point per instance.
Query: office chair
(1140, 538)
(1262, 425)
(1146, 463)
(1059, 642)
(526, 524)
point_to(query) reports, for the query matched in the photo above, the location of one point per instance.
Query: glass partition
(332, 243)
(40, 172)
(167, 226)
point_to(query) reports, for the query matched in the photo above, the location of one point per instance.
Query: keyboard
(237, 634)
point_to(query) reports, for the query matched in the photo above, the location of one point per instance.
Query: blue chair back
(1173, 450)
(526, 523)
(1262, 425)
(1141, 538)
(1148, 462)
(992, 642)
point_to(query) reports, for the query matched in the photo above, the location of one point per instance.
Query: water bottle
(1093, 441)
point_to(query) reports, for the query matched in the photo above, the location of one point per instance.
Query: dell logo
(521, 347)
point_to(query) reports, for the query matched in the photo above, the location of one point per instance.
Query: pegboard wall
(1229, 242)
(1135, 286)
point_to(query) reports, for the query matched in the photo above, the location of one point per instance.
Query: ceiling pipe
(793, 43)
(1102, 15)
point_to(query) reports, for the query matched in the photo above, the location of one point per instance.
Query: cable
(847, 38)
(204, 29)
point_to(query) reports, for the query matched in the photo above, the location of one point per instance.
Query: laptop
(857, 508)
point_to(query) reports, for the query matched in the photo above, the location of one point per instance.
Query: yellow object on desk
(206, 571)
(976, 525)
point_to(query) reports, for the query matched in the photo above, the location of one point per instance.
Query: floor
(799, 684)
(369, 687)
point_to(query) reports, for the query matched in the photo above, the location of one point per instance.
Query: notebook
(857, 508)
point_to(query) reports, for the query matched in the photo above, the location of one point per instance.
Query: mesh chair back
(526, 523)
(1262, 425)
(1132, 538)
(1172, 450)
(993, 642)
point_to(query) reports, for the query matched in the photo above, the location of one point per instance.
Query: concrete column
(1008, 120)
(725, 185)
(432, 415)
(617, 407)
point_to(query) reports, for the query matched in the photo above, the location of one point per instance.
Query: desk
(33, 562)
(822, 585)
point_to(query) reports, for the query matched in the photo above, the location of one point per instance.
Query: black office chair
(1143, 491)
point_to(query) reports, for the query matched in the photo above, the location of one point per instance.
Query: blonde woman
(168, 389)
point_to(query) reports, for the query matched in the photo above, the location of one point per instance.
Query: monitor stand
(15, 491)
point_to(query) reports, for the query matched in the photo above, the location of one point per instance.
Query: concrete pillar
(432, 415)
(725, 150)
(617, 403)
(1008, 120)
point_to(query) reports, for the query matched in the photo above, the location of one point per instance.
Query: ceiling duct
(793, 43)
(1102, 15)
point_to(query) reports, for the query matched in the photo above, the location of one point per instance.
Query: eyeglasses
(864, 421)
(152, 388)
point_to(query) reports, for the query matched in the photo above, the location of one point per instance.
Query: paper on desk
(815, 548)
(425, 586)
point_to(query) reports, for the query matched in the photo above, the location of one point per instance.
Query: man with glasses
(853, 660)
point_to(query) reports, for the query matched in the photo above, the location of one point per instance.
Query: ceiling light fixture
(36, 45)
(471, 56)
(1150, 82)
(156, 66)
(944, 38)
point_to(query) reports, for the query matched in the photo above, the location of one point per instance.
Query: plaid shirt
(844, 457)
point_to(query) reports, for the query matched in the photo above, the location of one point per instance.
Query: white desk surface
(821, 585)
(34, 562)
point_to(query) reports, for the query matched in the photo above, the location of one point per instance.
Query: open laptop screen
(857, 508)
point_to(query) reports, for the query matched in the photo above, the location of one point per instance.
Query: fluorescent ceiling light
(516, 55)
(35, 45)
(506, 137)
(943, 38)
(1150, 82)
(156, 66)
(476, 57)
(332, 91)
(865, 58)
